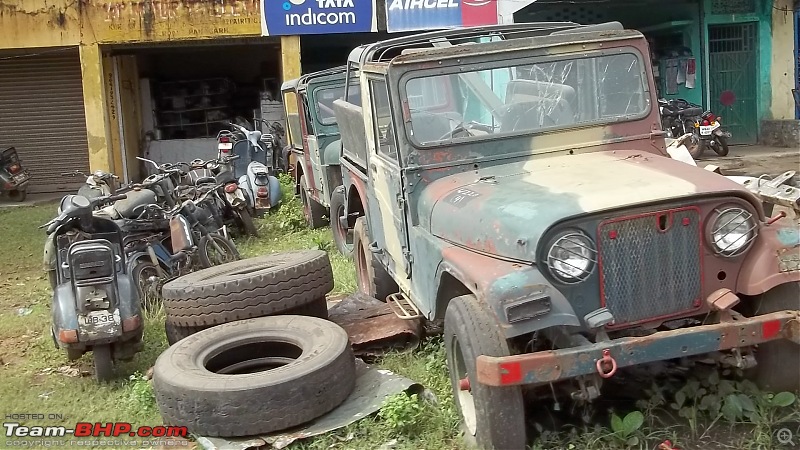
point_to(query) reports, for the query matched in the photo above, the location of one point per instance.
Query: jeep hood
(503, 210)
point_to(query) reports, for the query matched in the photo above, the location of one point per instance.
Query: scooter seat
(131, 207)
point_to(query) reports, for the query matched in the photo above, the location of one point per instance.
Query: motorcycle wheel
(17, 195)
(696, 146)
(149, 296)
(722, 146)
(103, 364)
(209, 256)
(247, 222)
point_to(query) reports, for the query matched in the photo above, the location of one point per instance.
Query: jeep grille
(650, 265)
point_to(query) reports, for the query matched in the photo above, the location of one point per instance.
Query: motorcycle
(234, 205)
(262, 189)
(711, 133)
(98, 184)
(96, 306)
(187, 245)
(13, 177)
(678, 117)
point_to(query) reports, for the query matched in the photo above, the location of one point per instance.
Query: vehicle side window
(307, 113)
(292, 119)
(381, 113)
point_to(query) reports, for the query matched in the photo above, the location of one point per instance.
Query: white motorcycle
(262, 189)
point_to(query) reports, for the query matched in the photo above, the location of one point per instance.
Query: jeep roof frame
(376, 52)
(304, 79)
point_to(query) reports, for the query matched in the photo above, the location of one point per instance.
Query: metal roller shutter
(42, 115)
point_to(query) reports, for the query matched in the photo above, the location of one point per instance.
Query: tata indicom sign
(410, 15)
(288, 17)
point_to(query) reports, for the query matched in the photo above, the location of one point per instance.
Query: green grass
(31, 383)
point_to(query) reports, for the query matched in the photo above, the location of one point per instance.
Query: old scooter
(13, 177)
(98, 184)
(96, 305)
(262, 188)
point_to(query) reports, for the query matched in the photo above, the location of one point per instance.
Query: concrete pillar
(95, 108)
(290, 62)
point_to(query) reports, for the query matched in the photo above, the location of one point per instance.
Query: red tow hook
(463, 384)
(607, 365)
(778, 217)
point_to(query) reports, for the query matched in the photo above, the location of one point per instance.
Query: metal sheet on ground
(373, 386)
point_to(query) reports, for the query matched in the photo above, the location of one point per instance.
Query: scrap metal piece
(773, 191)
(373, 327)
(373, 386)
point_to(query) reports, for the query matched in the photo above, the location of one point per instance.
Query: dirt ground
(754, 160)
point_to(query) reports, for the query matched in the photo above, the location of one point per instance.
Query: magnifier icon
(784, 436)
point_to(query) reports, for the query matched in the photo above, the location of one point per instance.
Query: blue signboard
(410, 15)
(290, 17)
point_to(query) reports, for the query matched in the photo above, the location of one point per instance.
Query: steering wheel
(464, 130)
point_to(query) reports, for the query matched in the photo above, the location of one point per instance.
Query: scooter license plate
(99, 319)
(21, 178)
(706, 130)
(225, 145)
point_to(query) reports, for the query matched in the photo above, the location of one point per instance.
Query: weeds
(402, 412)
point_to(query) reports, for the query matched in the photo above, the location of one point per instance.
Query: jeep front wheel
(493, 417)
(372, 278)
(778, 360)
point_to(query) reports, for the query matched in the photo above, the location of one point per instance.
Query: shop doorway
(733, 62)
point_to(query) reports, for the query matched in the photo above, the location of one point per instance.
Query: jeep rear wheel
(372, 278)
(342, 236)
(493, 417)
(778, 360)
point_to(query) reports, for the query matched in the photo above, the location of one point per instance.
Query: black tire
(201, 394)
(342, 237)
(695, 145)
(312, 211)
(209, 256)
(103, 363)
(498, 421)
(317, 308)
(247, 222)
(175, 332)
(253, 287)
(17, 195)
(721, 148)
(149, 296)
(371, 277)
(778, 360)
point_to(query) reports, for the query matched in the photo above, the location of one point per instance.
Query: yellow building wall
(92, 24)
(782, 69)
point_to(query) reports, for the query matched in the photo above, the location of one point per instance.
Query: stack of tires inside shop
(251, 350)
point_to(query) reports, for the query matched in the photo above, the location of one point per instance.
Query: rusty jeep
(513, 180)
(314, 148)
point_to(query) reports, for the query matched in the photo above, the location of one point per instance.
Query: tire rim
(147, 280)
(344, 236)
(361, 268)
(216, 257)
(250, 357)
(465, 399)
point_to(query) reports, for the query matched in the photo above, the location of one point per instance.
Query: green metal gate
(733, 65)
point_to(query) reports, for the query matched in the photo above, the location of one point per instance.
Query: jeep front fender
(773, 260)
(501, 284)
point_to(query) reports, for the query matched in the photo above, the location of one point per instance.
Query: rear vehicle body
(13, 177)
(314, 146)
(513, 180)
(96, 305)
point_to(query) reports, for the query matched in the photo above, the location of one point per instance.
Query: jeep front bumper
(605, 357)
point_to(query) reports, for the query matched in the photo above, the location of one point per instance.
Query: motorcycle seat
(131, 207)
(690, 112)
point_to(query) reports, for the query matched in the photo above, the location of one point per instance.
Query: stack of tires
(278, 284)
(251, 350)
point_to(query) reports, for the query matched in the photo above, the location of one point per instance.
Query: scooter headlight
(732, 231)
(572, 257)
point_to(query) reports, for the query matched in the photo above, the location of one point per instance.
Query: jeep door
(386, 197)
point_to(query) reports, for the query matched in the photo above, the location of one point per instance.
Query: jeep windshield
(324, 101)
(524, 98)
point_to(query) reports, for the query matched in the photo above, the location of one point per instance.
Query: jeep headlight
(572, 257)
(732, 231)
